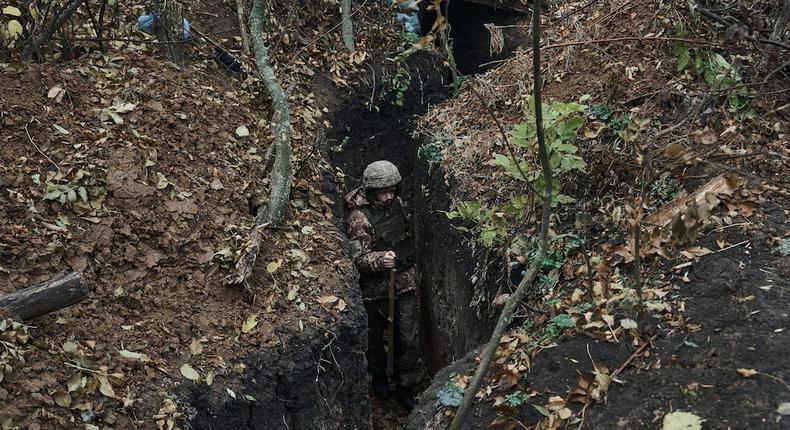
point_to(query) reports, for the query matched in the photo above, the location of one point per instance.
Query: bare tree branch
(273, 212)
(245, 39)
(510, 306)
(35, 42)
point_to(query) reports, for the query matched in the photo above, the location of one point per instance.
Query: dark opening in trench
(475, 46)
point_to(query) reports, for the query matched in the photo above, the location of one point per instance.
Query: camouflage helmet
(380, 174)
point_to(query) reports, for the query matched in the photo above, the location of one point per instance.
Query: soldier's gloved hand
(388, 260)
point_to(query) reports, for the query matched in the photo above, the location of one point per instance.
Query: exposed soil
(735, 300)
(712, 314)
(171, 187)
(147, 252)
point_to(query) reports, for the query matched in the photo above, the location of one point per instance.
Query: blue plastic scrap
(145, 23)
(408, 14)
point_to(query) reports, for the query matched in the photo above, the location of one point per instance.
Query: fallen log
(44, 298)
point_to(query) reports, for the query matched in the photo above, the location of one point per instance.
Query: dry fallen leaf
(195, 347)
(327, 299)
(747, 373)
(681, 421)
(249, 323)
(695, 251)
(628, 323)
(188, 372)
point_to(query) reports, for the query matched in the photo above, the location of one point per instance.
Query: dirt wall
(311, 379)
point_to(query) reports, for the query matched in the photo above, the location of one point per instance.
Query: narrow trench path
(363, 133)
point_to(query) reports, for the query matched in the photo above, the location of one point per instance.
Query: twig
(775, 71)
(144, 41)
(36, 146)
(634, 355)
(728, 226)
(35, 42)
(631, 38)
(720, 20)
(373, 91)
(775, 378)
(504, 137)
(584, 412)
(729, 247)
(590, 3)
(351, 15)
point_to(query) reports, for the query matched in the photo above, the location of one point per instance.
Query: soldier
(380, 240)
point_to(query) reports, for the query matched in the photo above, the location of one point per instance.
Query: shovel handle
(391, 325)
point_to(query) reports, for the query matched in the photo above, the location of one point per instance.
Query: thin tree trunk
(273, 212)
(245, 39)
(45, 298)
(169, 26)
(510, 306)
(348, 25)
(781, 23)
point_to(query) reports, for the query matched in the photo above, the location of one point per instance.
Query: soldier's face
(384, 197)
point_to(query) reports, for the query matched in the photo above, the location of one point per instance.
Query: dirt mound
(580, 329)
(145, 179)
(157, 180)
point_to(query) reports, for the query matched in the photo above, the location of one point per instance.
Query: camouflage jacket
(374, 278)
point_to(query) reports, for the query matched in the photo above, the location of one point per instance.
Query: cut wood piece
(719, 185)
(45, 298)
(513, 5)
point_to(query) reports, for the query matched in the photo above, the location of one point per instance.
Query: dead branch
(507, 312)
(45, 298)
(34, 43)
(634, 38)
(710, 15)
(96, 24)
(273, 212)
(347, 28)
(245, 40)
(634, 355)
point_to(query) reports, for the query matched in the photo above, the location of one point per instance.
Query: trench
(316, 378)
(364, 132)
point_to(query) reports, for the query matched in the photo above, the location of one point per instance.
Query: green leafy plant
(561, 123)
(714, 69)
(602, 111)
(81, 190)
(607, 114)
(558, 324)
(431, 151)
(517, 399)
(398, 84)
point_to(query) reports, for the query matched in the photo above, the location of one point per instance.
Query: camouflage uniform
(369, 247)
